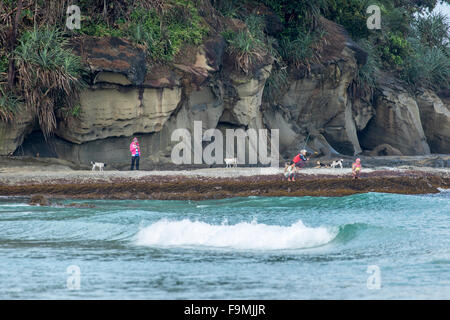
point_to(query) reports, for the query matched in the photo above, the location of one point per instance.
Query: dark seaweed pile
(199, 188)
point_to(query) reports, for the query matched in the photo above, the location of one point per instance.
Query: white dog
(230, 161)
(337, 163)
(99, 165)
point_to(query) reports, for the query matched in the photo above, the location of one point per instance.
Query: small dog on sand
(99, 165)
(230, 161)
(336, 163)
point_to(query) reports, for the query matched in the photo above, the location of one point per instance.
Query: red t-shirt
(299, 157)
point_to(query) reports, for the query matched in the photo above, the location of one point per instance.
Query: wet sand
(217, 183)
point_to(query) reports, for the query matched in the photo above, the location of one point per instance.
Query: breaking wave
(243, 235)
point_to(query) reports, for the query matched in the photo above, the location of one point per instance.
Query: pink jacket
(134, 149)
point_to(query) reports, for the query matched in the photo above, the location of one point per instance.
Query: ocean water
(366, 246)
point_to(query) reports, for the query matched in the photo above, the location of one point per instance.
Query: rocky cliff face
(435, 116)
(319, 105)
(397, 121)
(13, 134)
(116, 112)
(125, 97)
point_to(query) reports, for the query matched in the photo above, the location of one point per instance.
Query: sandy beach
(20, 175)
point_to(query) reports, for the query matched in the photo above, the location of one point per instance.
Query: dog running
(336, 163)
(99, 165)
(230, 161)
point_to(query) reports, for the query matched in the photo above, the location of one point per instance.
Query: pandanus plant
(48, 75)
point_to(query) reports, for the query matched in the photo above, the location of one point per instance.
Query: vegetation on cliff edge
(37, 69)
(411, 44)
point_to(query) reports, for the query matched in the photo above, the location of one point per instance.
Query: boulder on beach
(39, 200)
(385, 149)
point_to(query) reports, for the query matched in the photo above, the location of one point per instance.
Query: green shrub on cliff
(297, 13)
(367, 73)
(427, 67)
(4, 63)
(275, 84)
(351, 14)
(246, 49)
(299, 50)
(394, 49)
(48, 74)
(255, 25)
(229, 8)
(9, 105)
(432, 30)
(428, 64)
(249, 45)
(162, 26)
(99, 28)
(164, 33)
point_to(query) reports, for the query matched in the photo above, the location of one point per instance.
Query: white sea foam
(244, 235)
(443, 190)
(15, 205)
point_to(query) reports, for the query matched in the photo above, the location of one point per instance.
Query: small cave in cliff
(338, 143)
(367, 140)
(35, 145)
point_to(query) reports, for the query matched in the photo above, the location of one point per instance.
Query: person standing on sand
(135, 153)
(356, 169)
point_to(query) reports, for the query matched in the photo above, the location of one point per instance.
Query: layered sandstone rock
(122, 102)
(13, 134)
(397, 122)
(245, 110)
(435, 117)
(319, 103)
(117, 112)
(113, 56)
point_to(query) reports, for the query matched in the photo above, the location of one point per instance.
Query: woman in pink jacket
(135, 153)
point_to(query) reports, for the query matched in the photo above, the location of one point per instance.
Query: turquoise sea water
(241, 248)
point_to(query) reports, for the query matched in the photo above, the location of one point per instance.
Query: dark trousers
(300, 164)
(133, 160)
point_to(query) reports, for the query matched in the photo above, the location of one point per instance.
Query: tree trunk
(12, 45)
(35, 14)
(105, 13)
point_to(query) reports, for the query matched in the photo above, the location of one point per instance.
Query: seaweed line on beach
(201, 188)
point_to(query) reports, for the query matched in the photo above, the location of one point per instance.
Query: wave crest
(243, 235)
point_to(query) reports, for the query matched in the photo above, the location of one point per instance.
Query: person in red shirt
(300, 159)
